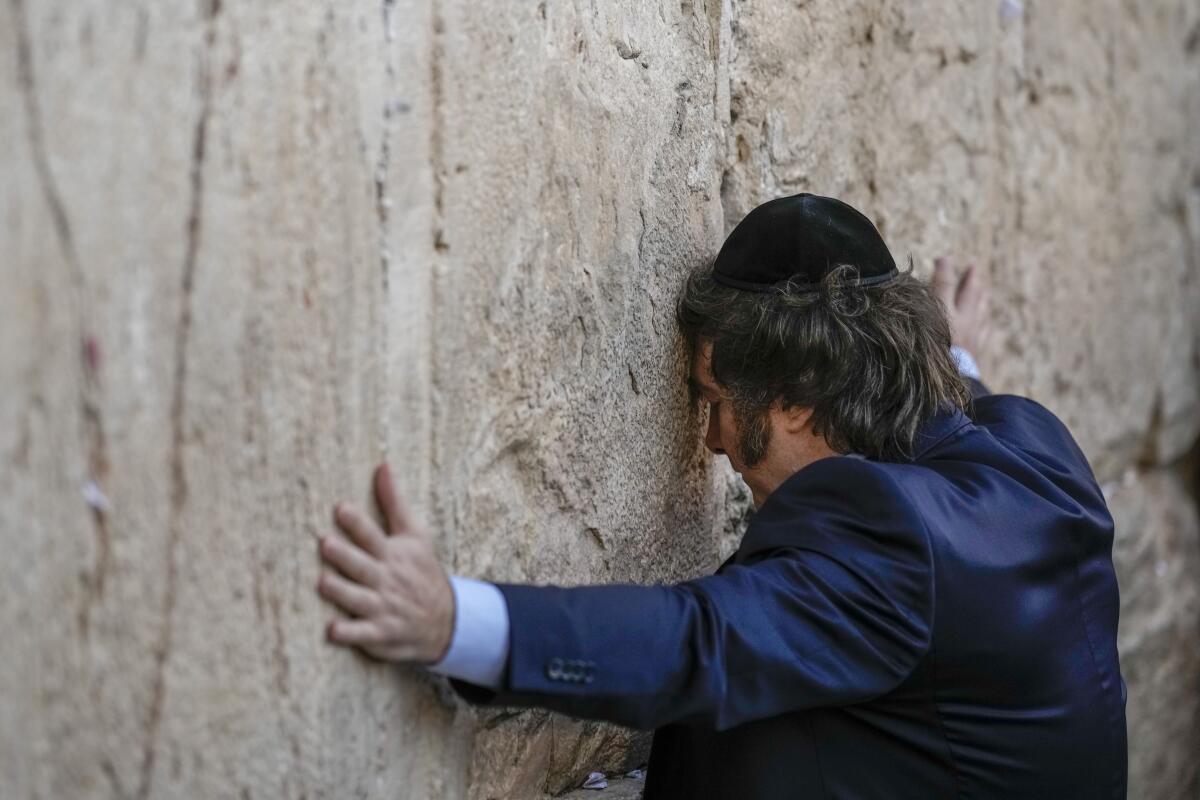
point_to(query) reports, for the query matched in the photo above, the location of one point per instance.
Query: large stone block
(195, 254)
(578, 166)
(1157, 555)
(247, 252)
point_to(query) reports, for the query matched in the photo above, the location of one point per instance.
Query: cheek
(728, 430)
(728, 427)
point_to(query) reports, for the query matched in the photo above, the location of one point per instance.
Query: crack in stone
(499, 718)
(41, 163)
(114, 780)
(435, 136)
(437, 165)
(728, 122)
(89, 405)
(178, 476)
(641, 237)
(98, 467)
(279, 651)
(383, 206)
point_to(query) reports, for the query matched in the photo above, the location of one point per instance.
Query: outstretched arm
(829, 602)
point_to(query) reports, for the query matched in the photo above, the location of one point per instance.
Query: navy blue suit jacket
(936, 628)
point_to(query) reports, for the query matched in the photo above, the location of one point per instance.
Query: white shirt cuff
(479, 646)
(966, 364)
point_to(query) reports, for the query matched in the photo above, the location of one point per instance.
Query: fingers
(351, 597)
(968, 287)
(361, 529)
(395, 511)
(384, 582)
(974, 295)
(943, 278)
(958, 293)
(355, 632)
(351, 561)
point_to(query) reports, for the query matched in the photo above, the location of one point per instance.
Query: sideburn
(753, 434)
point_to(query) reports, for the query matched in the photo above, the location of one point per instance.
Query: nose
(712, 437)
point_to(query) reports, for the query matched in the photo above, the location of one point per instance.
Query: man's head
(796, 373)
(764, 448)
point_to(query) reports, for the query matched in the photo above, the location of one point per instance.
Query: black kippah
(801, 237)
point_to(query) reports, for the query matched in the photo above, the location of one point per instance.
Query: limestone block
(250, 250)
(578, 166)
(202, 361)
(1157, 556)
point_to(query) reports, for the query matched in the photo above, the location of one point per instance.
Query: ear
(794, 419)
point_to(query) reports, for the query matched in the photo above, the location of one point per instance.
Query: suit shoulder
(993, 403)
(1028, 425)
(837, 479)
(832, 501)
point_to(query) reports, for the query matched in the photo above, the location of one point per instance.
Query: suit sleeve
(828, 603)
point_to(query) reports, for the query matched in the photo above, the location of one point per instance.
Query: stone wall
(248, 249)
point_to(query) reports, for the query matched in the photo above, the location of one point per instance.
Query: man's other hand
(966, 299)
(390, 583)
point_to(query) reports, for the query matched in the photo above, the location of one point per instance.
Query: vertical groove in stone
(437, 165)
(178, 409)
(37, 145)
(382, 210)
(91, 419)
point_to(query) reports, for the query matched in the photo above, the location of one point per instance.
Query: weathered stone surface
(247, 250)
(193, 242)
(578, 176)
(1157, 555)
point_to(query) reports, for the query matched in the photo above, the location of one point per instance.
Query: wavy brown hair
(873, 363)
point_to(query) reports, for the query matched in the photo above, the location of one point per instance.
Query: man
(923, 605)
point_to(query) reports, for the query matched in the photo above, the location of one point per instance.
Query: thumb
(395, 510)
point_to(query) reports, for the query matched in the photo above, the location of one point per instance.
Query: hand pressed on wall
(391, 583)
(966, 299)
